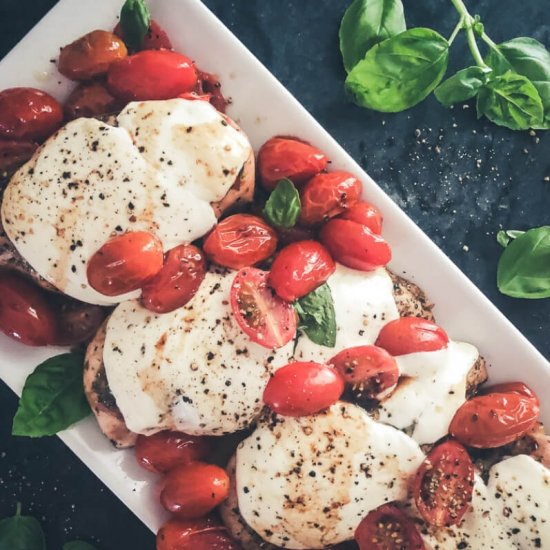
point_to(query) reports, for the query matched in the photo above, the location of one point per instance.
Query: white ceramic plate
(263, 108)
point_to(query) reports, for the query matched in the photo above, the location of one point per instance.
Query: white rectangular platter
(263, 108)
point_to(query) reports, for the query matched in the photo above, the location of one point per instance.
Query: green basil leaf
(510, 100)
(317, 316)
(529, 58)
(78, 545)
(399, 72)
(366, 23)
(505, 236)
(462, 86)
(524, 267)
(21, 533)
(283, 207)
(135, 19)
(53, 397)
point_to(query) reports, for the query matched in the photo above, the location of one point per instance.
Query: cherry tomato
(261, 314)
(300, 268)
(210, 85)
(152, 74)
(177, 282)
(327, 195)
(355, 245)
(411, 335)
(25, 314)
(77, 322)
(512, 387)
(240, 241)
(195, 489)
(371, 371)
(90, 99)
(443, 484)
(197, 534)
(155, 39)
(125, 263)
(14, 154)
(282, 157)
(289, 235)
(303, 388)
(164, 450)
(28, 114)
(388, 528)
(366, 214)
(494, 420)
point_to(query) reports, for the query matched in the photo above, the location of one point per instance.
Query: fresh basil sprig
(462, 86)
(78, 545)
(53, 397)
(283, 207)
(524, 267)
(135, 19)
(21, 533)
(317, 316)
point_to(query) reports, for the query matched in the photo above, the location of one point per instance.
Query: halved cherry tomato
(155, 39)
(411, 335)
(494, 420)
(25, 314)
(327, 195)
(364, 213)
(210, 85)
(371, 371)
(264, 317)
(240, 241)
(152, 74)
(512, 387)
(388, 528)
(303, 388)
(14, 154)
(195, 489)
(28, 114)
(443, 484)
(355, 245)
(197, 534)
(282, 157)
(300, 268)
(91, 55)
(125, 263)
(90, 99)
(177, 282)
(164, 450)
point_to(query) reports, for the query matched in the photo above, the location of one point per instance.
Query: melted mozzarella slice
(363, 302)
(307, 482)
(431, 389)
(192, 370)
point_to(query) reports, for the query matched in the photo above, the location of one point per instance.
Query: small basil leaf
(505, 236)
(317, 316)
(366, 23)
(78, 545)
(510, 100)
(53, 397)
(135, 19)
(283, 207)
(21, 533)
(524, 267)
(399, 72)
(462, 86)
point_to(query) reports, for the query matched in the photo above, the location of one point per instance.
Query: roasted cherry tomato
(195, 489)
(77, 322)
(303, 388)
(388, 528)
(282, 157)
(443, 484)
(494, 420)
(155, 39)
(239, 241)
(125, 263)
(327, 195)
(264, 317)
(152, 74)
(194, 534)
(164, 450)
(370, 371)
(512, 387)
(300, 268)
(411, 335)
(289, 235)
(177, 282)
(28, 114)
(355, 245)
(25, 314)
(14, 154)
(91, 55)
(210, 85)
(90, 99)
(366, 214)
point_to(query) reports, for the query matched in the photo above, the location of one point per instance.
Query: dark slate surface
(458, 178)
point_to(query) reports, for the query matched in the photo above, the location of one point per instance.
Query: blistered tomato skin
(513, 387)
(90, 99)
(355, 245)
(303, 388)
(327, 195)
(152, 74)
(282, 157)
(15, 153)
(28, 114)
(366, 214)
(300, 268)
